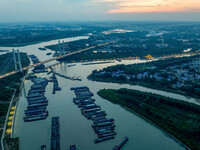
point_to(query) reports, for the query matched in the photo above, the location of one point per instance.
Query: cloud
(150, 6)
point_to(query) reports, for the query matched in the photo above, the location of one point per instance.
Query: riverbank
(30, 40)
(154, 86)
(176, 75)
(10, 89)
(176, 117)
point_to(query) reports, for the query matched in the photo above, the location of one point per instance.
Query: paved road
(55, 58)
(4, 129)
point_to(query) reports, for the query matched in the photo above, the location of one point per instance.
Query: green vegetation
(159, 64)
(3, 112)
(12, 143)
(7, 62)
(91, 57)
(17, 35)
(149, 38)
(179, 118)
(178, 75)
(7, 86)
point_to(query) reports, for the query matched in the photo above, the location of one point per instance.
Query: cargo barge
(35, 117)
(81, 87)
(36, 91)
(119, 146)
(33, 95)
(104, 120)
(106, 134)
(37, 86)
(71, 65)
(36, 108)
(37, 105)
(37, 111)
(38, 102)
(36, 98)
(103, 139)
(55, 133)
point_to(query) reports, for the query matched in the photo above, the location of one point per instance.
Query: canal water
(75, 128)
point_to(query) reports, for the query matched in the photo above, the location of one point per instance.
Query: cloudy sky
(69, 10)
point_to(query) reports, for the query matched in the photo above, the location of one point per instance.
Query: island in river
(179, 118)
(177, 75)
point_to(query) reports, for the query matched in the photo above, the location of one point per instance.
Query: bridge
(52, 59)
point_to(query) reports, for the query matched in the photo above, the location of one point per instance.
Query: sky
(99, 10)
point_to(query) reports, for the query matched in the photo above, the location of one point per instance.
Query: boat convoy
(37, 103)
(37, 69)
(102, 126)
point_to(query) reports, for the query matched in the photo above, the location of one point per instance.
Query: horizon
(104, 10)
(101, 21)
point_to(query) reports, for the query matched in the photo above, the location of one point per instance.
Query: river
(75, 128)
(33, 49)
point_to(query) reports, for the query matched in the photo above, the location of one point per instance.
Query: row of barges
(37, 102)
(102, 126)
(55, 83)
(39, 68)
(55, 133)
(66, 77)
(95, 63)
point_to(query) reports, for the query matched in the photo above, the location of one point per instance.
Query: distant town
(183, 76)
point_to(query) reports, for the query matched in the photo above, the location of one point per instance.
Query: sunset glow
(152, 6)
(56, 10)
